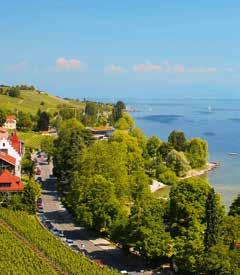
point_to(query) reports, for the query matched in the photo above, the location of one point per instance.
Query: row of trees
(106, 186)
(27, 121)
(11, 91)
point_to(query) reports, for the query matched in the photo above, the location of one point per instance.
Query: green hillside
(31, 100)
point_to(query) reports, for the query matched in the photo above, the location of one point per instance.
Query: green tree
(2, 117)
(69, 145)
(98, 206)
(14, 92)
(25, 121)
(177, 162)
(135, 159)
(140, 136)
(168, 177)
(146, 228)
(118, 109)
(91, 109)
(153, 145)
(67, 112)
(27, 164)
(222, 261)
(177, 140)
(30, 194)
(47, 146)
(125, 122)
(235, 207)
(197, 152)
(188, 222)
(212, 220)
(43, 121)
(164, 149)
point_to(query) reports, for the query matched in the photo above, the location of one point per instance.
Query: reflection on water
(161, 118)
(209, 134)
(235, 119)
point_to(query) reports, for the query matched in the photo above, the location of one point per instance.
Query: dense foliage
(235, 207)
(105, 184)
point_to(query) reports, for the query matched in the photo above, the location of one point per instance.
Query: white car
(69, 242)
(61, 235)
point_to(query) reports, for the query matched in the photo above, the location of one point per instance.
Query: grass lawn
(163, 192)
(31, 139)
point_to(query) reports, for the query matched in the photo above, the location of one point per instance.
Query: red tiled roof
(7, 178)
(16, 143)
(237, 245)
(9, 159)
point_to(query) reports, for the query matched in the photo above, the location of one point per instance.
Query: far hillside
(31, 100)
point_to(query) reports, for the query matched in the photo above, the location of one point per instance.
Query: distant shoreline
(156, 185)
(197, 173)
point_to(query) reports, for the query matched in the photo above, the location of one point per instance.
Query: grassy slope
(18, 258)
(68, 260)
(30, 101)
(31, 139)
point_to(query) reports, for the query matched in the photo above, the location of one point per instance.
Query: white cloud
(168, 68)
(202, 70)
(147, 68)
(69, 64)
(115, 69)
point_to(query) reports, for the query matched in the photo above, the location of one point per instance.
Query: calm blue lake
(216, 120)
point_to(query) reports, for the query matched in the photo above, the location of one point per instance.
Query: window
(5, 185)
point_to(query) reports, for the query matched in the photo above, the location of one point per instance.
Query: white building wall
(10, 125)
(5, 144)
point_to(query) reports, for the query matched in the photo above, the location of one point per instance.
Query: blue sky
(122, 48)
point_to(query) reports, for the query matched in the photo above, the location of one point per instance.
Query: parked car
(39, 180)
(69, 242)
(76, 247)
(55, 231)
(48, 224)
(39, 200)
(61, 235)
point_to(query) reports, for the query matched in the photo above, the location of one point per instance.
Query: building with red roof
(9, 182)
(7, 162)
(11, 122)
(7, 158)
(14, 148)
(16, 143)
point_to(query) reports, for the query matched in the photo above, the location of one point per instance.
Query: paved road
(97, 248)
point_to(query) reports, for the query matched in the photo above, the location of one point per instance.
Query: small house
(10, 123)
(101, 132)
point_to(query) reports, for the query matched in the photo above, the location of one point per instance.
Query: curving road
(97, 248)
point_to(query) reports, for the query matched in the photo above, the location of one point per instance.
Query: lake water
(216, 120)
